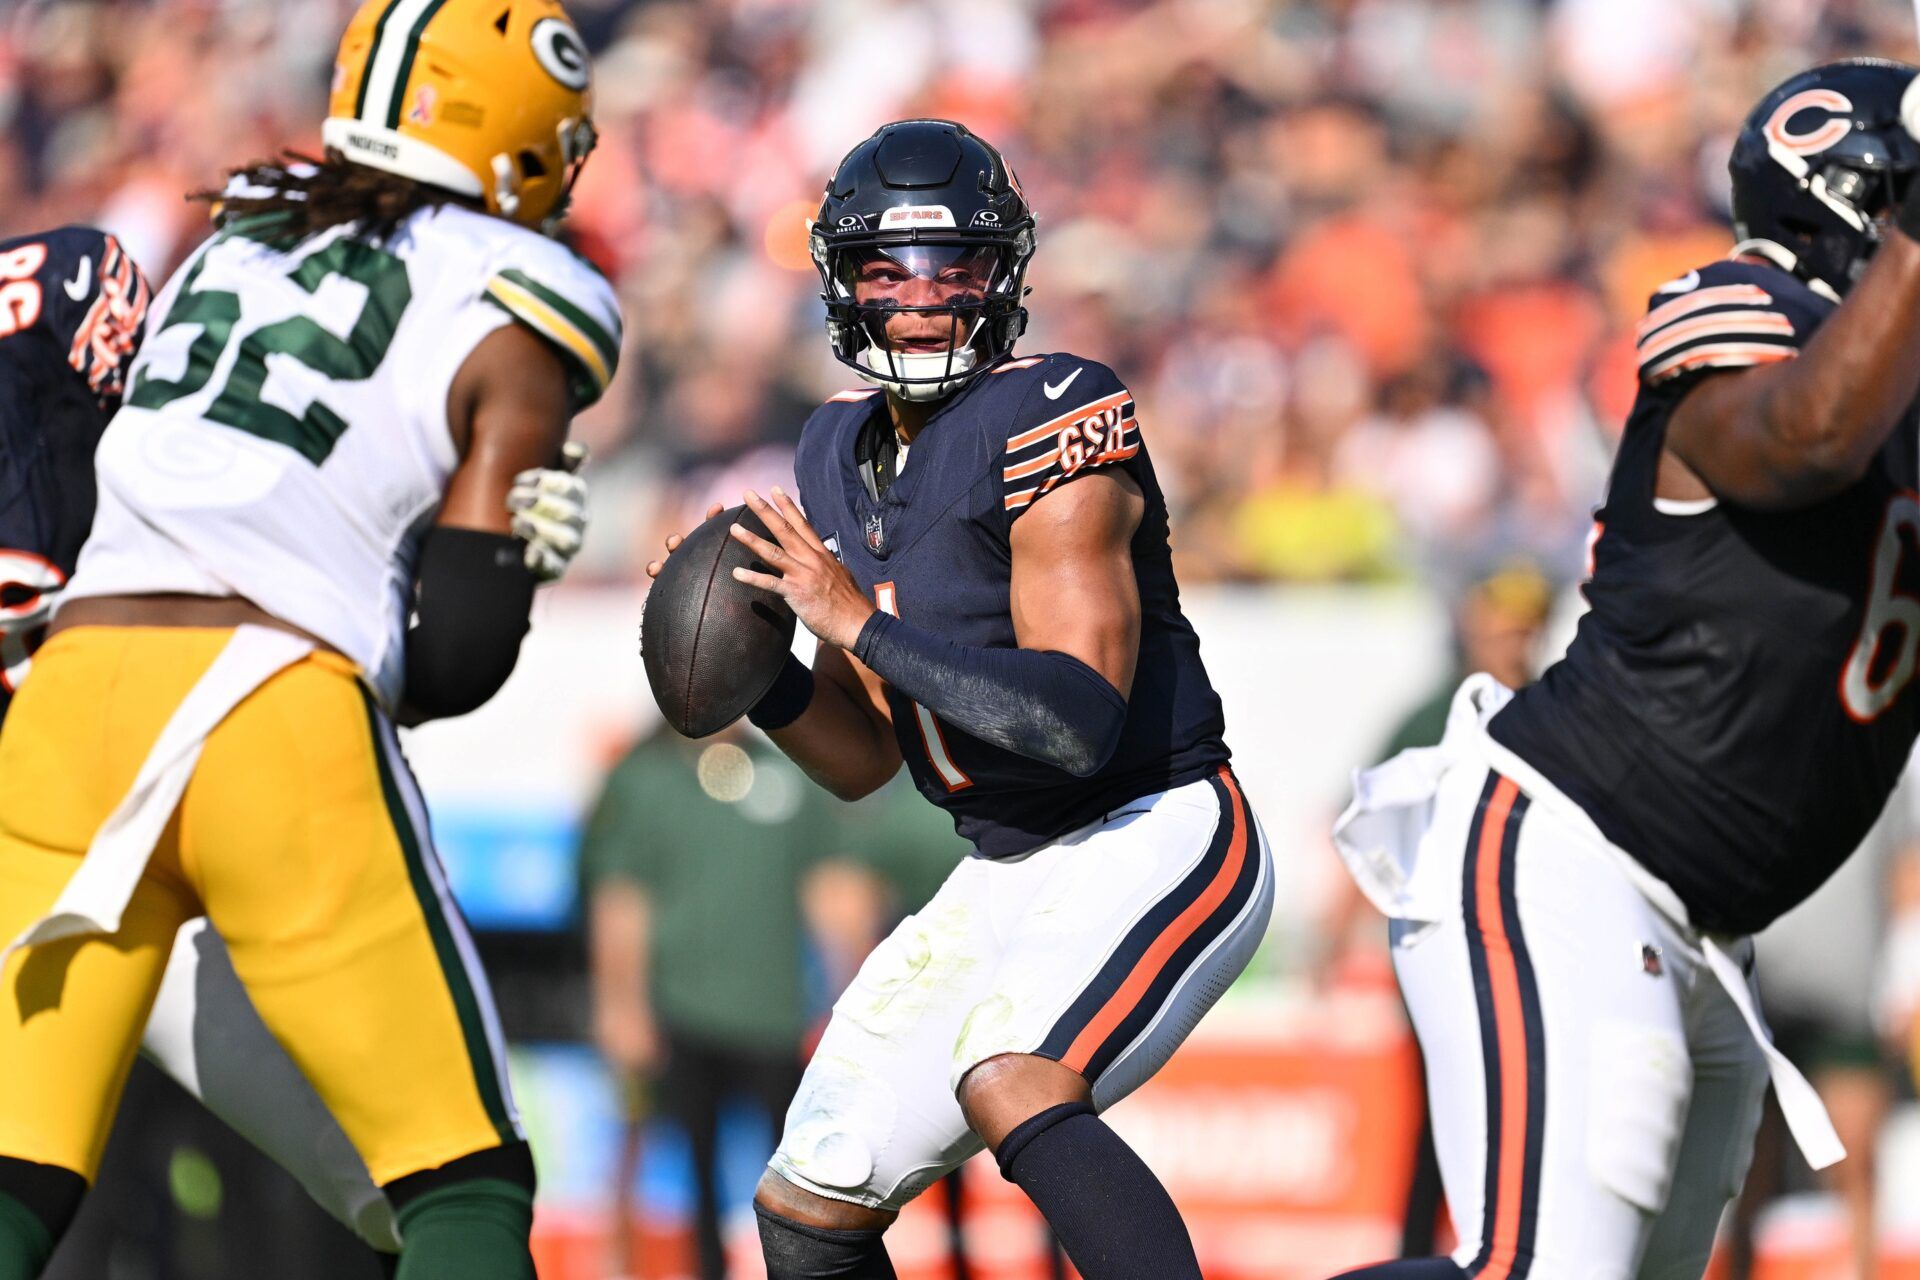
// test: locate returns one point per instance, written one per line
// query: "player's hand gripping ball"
(712, 645)
(810, 578)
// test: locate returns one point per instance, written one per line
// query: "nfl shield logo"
(876, 536)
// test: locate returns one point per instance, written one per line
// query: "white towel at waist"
(97, 895)
(1379, 838)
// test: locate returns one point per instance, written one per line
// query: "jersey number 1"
(301, 339)
(1893, 619)
(950, 774)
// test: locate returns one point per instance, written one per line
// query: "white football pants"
(1100, 950)
(1593, 1077)
(204, 1032)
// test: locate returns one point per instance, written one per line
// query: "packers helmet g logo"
(561, 52)
(489, 99)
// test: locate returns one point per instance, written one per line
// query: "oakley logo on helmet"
(561, 52)
(917, 215)
(1824, 135)
(986, 218)
(849, 222)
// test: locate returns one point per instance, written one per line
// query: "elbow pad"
(1046, 706)
(474, 596)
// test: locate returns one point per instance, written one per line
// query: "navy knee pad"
(796, 1251)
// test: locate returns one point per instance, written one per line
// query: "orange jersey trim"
(1718, 296)
(1733, 324)
(1128, 997)
(1503, 976)
(1041, 432)
(1726, 355)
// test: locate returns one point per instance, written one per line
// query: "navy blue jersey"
(1735, 711)
(71, 306)
(935, 549)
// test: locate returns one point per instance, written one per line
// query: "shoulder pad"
(1726, 315)
(563, 298)
(80, 288)
(1075, 415)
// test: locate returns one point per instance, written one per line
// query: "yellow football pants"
(303, 838)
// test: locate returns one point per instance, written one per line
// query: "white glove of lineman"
(550, 511)
(1910, 107)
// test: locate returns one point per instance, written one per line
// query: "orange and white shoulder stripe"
(1742, 323)
(1723, 326)
(1053, 426)
(1097, 433)
(1721, 355)
(1745, 295)
(853, 395)
(1014, 366)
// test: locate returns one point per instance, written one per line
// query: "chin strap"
(910, 375)
(1787, 260)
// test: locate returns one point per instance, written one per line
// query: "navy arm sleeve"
(1046, 706)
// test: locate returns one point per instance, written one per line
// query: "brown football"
(712, 646)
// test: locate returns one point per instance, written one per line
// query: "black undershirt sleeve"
(474, 598)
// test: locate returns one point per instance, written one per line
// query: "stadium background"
(1371, 268)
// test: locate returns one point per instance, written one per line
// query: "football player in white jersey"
(316, 447)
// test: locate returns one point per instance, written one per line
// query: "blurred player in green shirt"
(727, 896)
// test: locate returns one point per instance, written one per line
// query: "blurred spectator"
(1496, 629)
(729, 902)
(694, 861)
(1328, 244)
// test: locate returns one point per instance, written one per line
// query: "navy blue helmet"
(922, 243)
(1821, 164)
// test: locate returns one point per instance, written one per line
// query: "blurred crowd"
(1370, 266)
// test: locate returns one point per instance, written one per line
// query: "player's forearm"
(1046, 706)
(619, 943)
(1829, 411)
(839, 742)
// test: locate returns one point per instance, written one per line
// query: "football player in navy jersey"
(71, 306)
(1574, 875)
(983, 556)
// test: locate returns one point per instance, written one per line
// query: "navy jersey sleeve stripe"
(1099, 431)
(1728, 315)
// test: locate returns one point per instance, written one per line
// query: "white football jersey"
(284, 435)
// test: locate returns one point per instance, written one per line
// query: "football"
(712, 646)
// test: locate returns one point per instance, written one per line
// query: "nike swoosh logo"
(82, 281)
(1056, 390)
(1685, 284)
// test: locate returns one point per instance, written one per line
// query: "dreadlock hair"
(305, 196)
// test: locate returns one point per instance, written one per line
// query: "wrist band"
(787, 700)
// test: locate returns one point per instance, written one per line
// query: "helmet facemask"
(517, 180)
(1859, 204)
(922, 318)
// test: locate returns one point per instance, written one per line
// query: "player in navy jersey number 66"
(984, 558)
(1573, 875)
